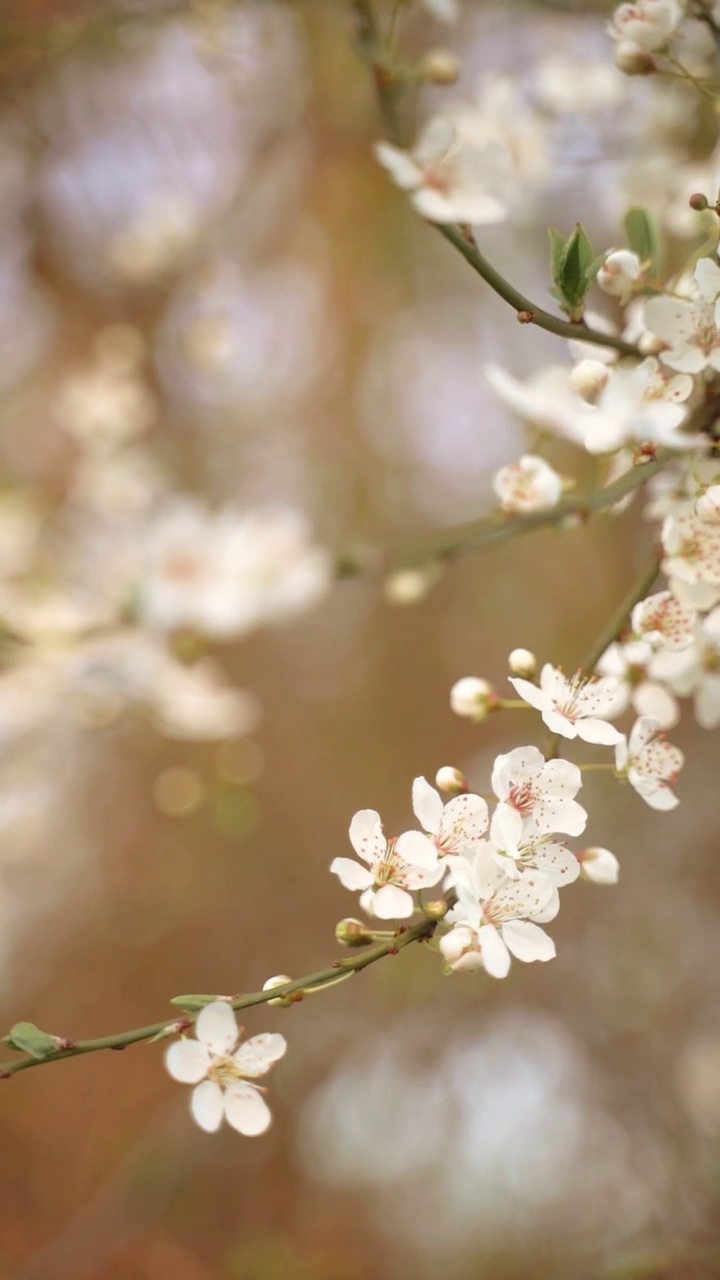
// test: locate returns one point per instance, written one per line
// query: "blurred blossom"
(256, 340)
(224, 574)
(513, 1139)
(104, 405)
(150, 144)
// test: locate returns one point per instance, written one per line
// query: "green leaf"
(27, 1038)
(191, 1004)
(573, 268)
(643, 236)
(557, 250)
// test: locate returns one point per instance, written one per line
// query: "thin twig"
(421, 931)
(491, 530)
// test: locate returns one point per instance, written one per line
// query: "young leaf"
(643, 236)
(27, 1038)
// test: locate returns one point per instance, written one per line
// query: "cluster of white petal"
(502, 870)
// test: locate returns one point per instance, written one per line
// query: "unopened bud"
(598, 865)
(352, 933)
(588, 379)
(707, 506)
(699, 202)
(473, 698)
(280, 980)
(408, 586)
(451, 780)
(620, 274)
(440, 66)
(436, 910)
(633, 60)
(650, 344)
(523, 663)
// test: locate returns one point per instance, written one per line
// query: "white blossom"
(575, 708)
(224, 1072)
(530, 850)
(546, 400)
(387, 881)
(529, 787)
(640, 403)
(224, 574)
(692, 558)
(634, 666)
(695, 671)
(649, 762)
(530, 484)
(689, 327)
(451, 828)
(646, 23)
(495, 917)
(449, 180)
(664, 621)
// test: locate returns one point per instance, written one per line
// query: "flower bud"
(352, 933)
(633, 60)
(280, 980)
(650, 344)
(440, 66)
(473, 697)
(408, 586)
(436, 910)
(699, 202)
(588, 379)
(598, 865)
(707, 505)
(451, 780)
(523, 663)
(619, 274)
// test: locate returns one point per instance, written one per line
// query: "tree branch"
(420, 931)
(498, 528)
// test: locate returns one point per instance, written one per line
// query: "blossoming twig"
(492, 529)
(527, 312)
(388, 89)
(420, 931)
(614, 627)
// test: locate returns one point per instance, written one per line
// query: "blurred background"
(208, 286)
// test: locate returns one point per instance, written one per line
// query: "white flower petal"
(188, 1061)
(206, 1105)
(527, 941)
(350, 874)
(598, 731)
(258, 1054)
(392, 903)
(366, 835)
(427, 805)
(417, 849)
(495, 955)
(217, 1027)
(246, 1109)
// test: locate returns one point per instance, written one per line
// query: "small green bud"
(192, 1004)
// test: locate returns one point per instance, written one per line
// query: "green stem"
(527, 311)
(613, 629)
(420, 931)
(618, 621)
(491, 530)
(389, 88)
